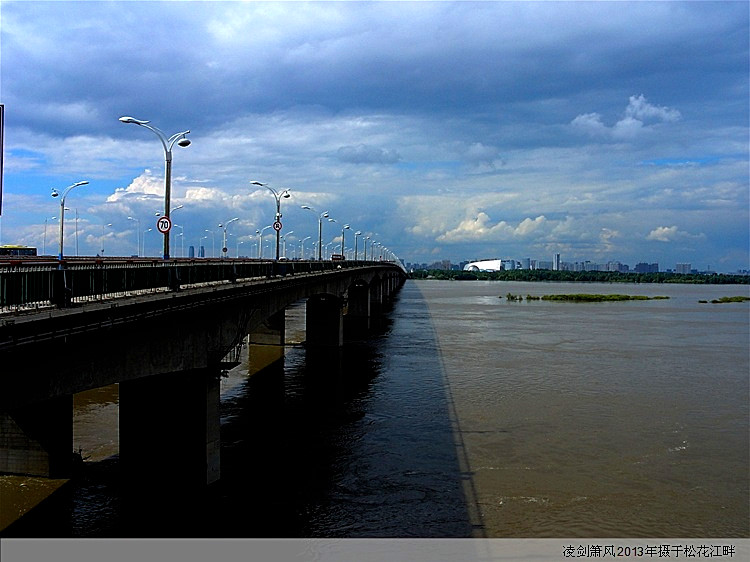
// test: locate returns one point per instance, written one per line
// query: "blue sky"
(445, 130)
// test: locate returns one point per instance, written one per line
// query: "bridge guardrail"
(33, 285)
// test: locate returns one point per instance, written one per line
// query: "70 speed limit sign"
(163, 224)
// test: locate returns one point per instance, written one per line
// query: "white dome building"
(484, 265)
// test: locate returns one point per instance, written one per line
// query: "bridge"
(162, 330)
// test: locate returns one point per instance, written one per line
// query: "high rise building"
(556, 263)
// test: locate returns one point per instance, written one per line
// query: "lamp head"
(55, 193)
(184, 142)
(128, 119)
(286, 194)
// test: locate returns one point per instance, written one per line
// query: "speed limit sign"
(163, 224)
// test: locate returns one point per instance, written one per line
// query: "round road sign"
(277, 226)
(163, 224)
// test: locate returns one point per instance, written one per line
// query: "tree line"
(582, 276)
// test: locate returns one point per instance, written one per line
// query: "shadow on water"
(357, 443)
(361, 442)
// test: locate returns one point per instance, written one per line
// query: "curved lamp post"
(101, 240)
(343, 228)
(224, 226)
(213, 242)
(167, 143)
(62, 211)
(260, 240)
(144, 240)
(277, 195)
(356, 236)
(284, 237)
(323, 215)
(303, 245)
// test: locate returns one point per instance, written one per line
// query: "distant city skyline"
(596, 130)
(583, 265)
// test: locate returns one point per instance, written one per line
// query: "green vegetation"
(584, 297)
(581, 276)
(728, 299)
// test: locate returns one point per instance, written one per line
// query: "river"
(469, 414)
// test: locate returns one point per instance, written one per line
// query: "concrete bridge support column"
(169, 434)
(324, 321)
(37, 439)
(376, 297)
(266, 342)
(358, 308)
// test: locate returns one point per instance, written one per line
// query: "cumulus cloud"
(639, 115)
(670, 234)
(145, 185)
(480, 228)
(640, 109)
(365, 154)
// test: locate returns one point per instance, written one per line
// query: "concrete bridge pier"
(324, 321)
(169, 434)
(357, 319)
(377, 297)
(37, 439)
(266, 342)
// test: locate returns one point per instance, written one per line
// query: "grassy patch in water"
(728, 299)
(584, 297)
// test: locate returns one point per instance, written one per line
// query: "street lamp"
(322, 216)
(356, 236)
(182, 238)
(167, 143)
(345, 227)
(277, 195)
(44, 240)
(303, 246)
(284, 237)
(144, 240)
(224, 226)
(137, 235)
(213, 242)
(260, 240)
(62, 211)
(101, 240)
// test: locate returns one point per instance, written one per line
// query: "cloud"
(479, 228)
(364, 154)
(640, 109)
(146, 185)
(639, 116)
(426, 122)
(671, 234)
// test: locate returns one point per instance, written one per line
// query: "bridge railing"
(34, 284)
